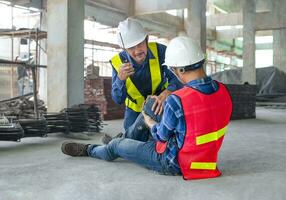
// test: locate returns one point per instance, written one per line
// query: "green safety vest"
(135, 99)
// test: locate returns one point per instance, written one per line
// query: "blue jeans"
(129, 118)
(135, 147)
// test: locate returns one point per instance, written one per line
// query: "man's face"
(138, 52)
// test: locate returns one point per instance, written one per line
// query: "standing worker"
(23, 78)
(138, 71)
(195, 119)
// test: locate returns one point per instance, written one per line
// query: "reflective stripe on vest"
(135, 99)
(203, 165)
(210, 137)
(202, 139)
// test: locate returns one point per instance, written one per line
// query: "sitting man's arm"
(165, 129)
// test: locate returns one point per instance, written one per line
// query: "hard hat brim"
(133, 44)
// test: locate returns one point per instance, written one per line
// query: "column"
(195, 24)
(65, 51)
(279, 49)
(248, 70)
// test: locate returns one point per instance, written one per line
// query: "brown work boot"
(107, 138)
(74, 149)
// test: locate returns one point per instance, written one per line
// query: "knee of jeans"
(114, 142)
(112, 148)
(148, 110)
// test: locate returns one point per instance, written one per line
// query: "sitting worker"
(192, 128)
(138, 71)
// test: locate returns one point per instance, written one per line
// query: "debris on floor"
(21, 121)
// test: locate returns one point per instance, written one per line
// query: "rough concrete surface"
(252, 160)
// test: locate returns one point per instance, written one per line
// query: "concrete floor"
(252, 159)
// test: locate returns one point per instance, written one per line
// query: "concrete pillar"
(43, 60)
(279, 49)
(248, 70)
(195, 24)
(65, 51)
(43, 72)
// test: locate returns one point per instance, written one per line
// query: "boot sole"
(63, 148)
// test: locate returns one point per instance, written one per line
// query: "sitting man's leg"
(138, 130)
(142, 153)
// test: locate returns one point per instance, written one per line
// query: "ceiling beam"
(143, 7)
(263, 21)
(122, 6)
(236, 33)
(165, 25)
(100, 15)
(99, 43)
(230, 19)
(27, 3)
(161, 24)
(264, 46)
(269, 21)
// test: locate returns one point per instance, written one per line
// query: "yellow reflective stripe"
(134, 94)
(203, 165)
(154, 66)
(116, 62)
(210, 137)
(165, 85)
(134, 106)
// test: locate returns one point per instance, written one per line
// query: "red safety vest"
(206, 117)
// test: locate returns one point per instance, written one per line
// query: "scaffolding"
(30, 34)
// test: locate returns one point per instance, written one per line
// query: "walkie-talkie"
(128, 58)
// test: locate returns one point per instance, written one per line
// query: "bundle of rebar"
(34, 127)
(21, 107)
(84, 118)
(10, 131)
(79, 118)
(57, 122)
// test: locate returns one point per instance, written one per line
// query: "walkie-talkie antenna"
(124, 47)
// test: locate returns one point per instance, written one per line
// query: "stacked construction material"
(98, 92)
(94, 117)
(243, 95)
(34, 127)
(21, 107)
(243, 98)
(270, 83)
(57, 122)
(78, 119)
(10, 131)
(113, 110)
(94, 95)
(84, 118)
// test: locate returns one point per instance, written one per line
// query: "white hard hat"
(131, 32)
(183, 51)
